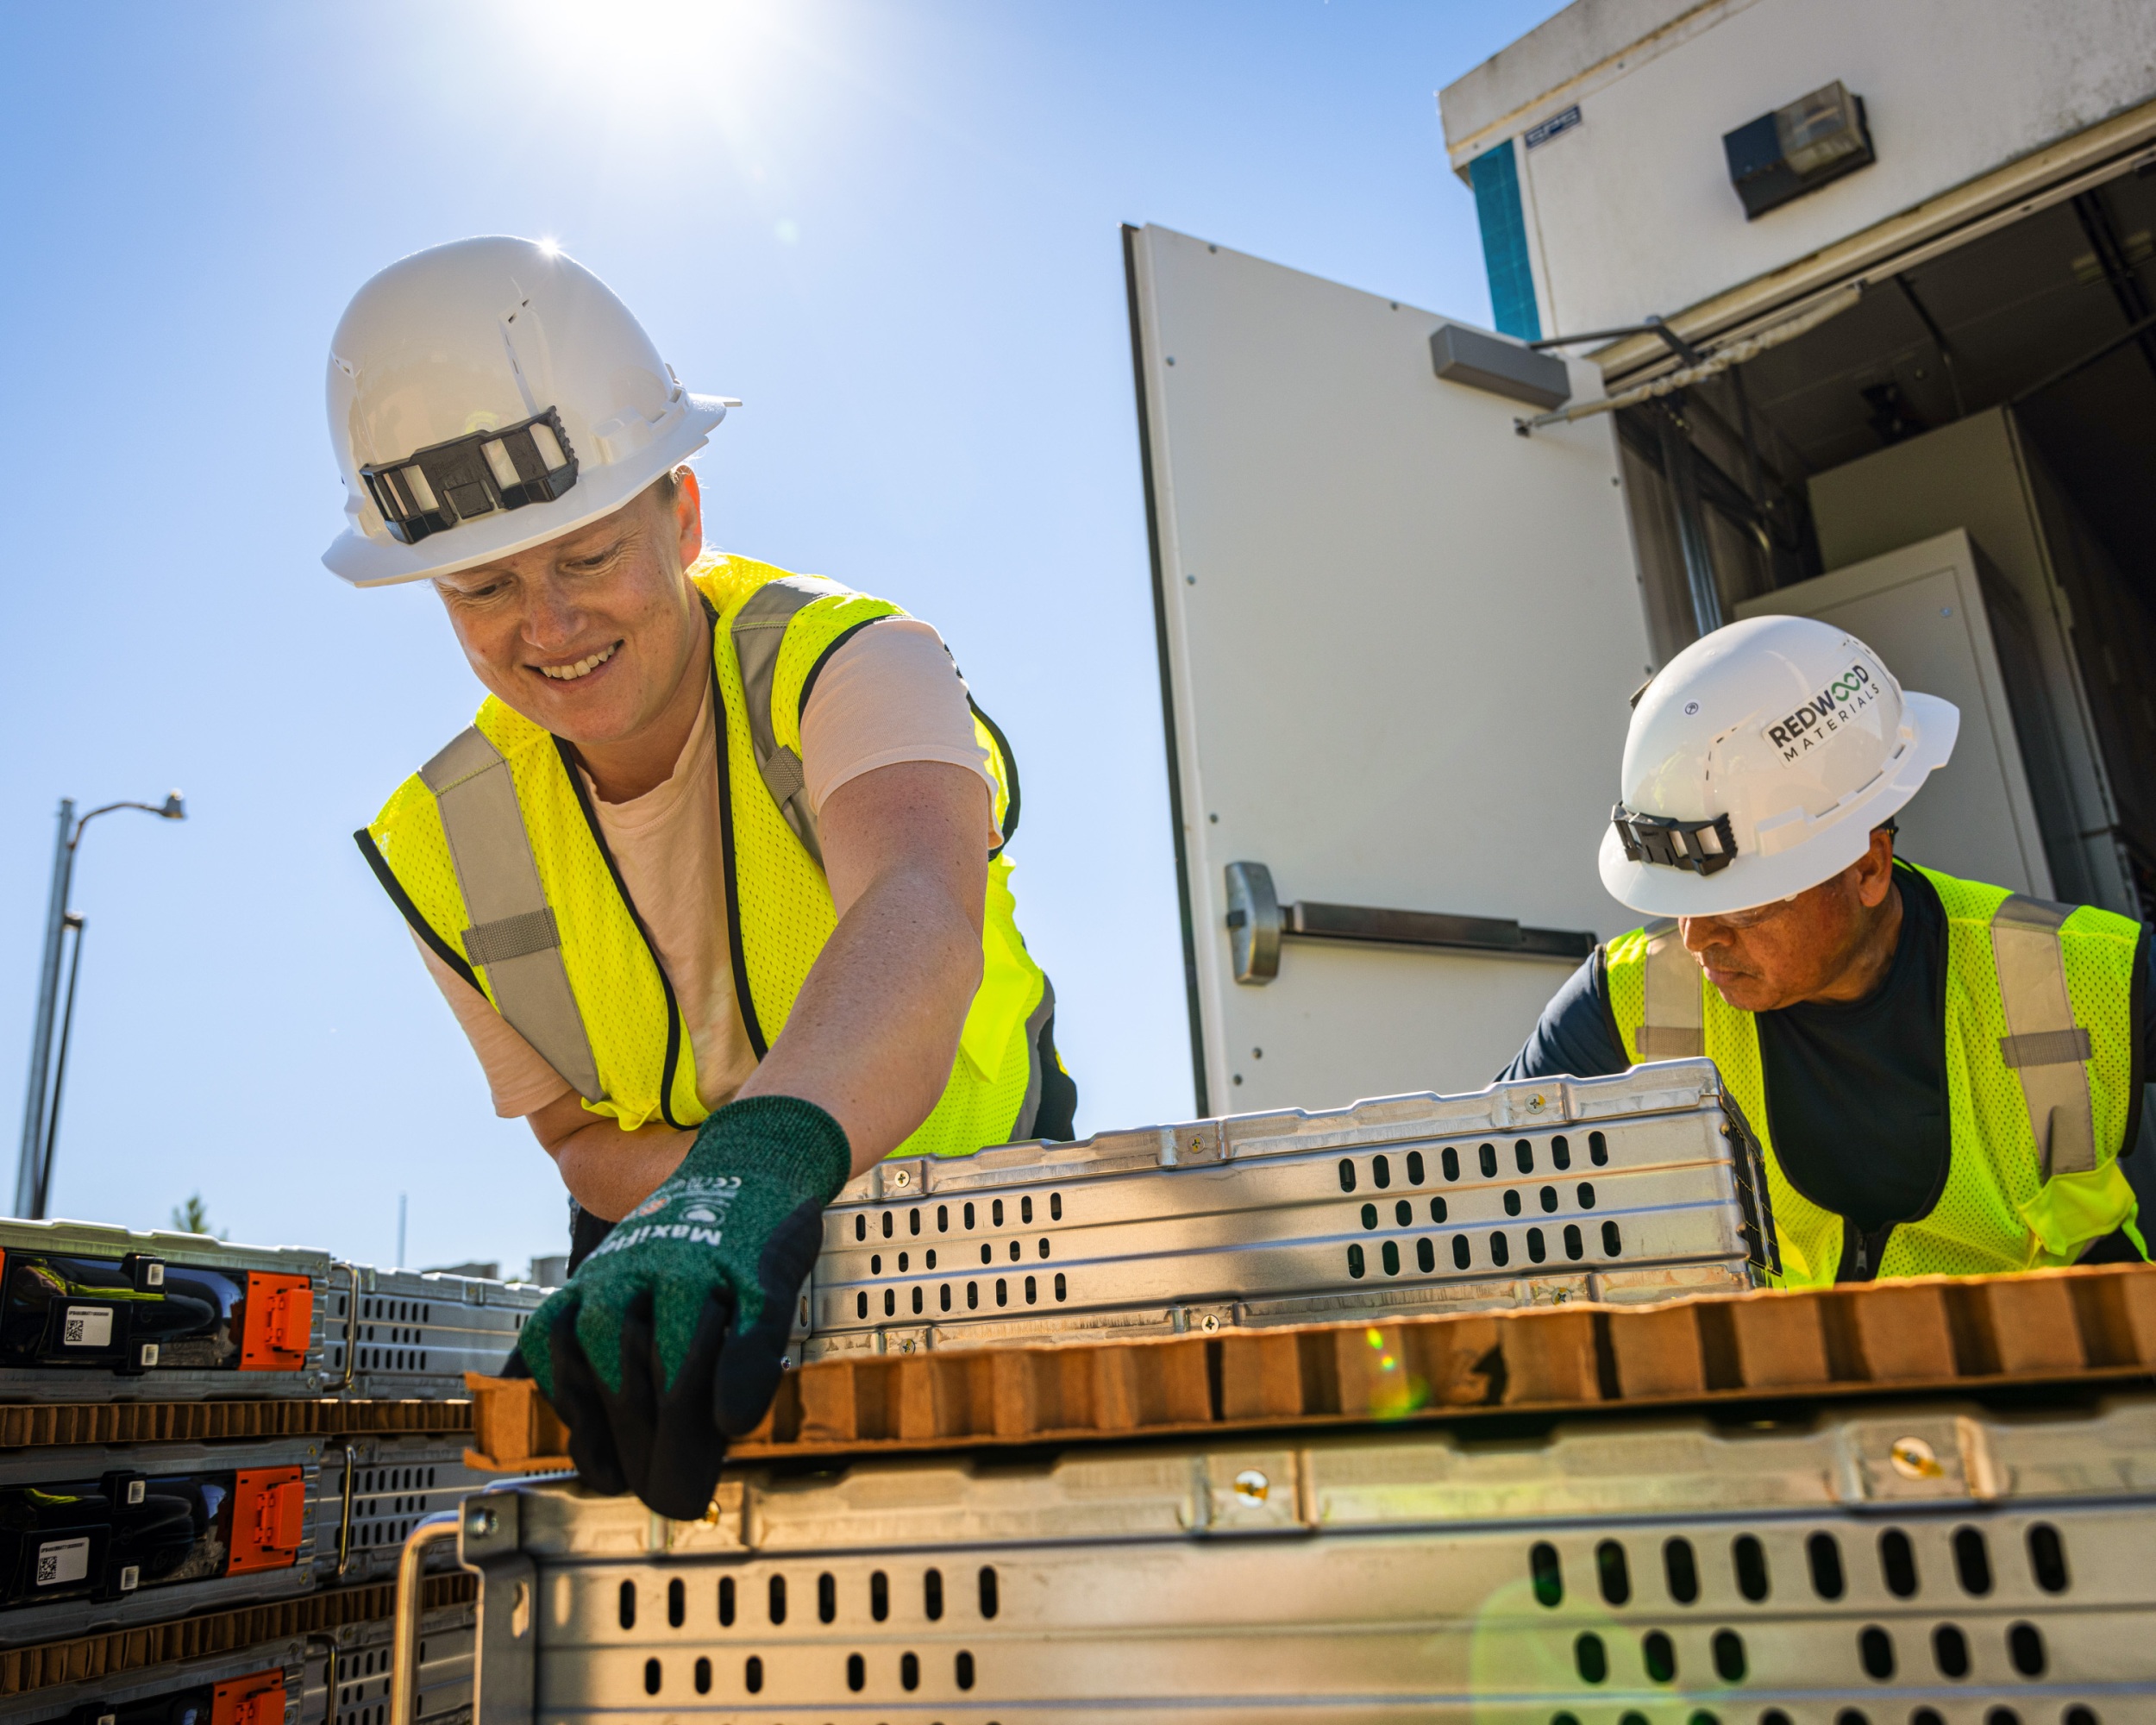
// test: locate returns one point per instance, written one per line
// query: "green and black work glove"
(670, 1337)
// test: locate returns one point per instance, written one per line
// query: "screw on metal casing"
(1252, 1487)
(1913, 1458)
(1211, 1323)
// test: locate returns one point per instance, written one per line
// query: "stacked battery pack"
(200, 1433)
(168, 1317)
(1925, 1562)
(1632, 1187)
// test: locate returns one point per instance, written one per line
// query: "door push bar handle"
(1257, 922)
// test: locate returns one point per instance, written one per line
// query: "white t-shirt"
(890, 694)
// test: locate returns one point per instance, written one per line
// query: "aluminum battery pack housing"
(1639, 1186)
(93, 1313)
(1886, 1557)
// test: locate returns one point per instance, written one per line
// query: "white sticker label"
(130, 1578)
(137, 1490)
(154, 1275)
(62, 1561)
(88, 1326)
(149, 1353)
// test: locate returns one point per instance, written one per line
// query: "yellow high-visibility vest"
(495, 857)
(2041, 1081)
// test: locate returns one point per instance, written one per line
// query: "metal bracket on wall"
(1257, 922)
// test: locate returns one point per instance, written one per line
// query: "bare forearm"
(873, 1031)
(870, 1041)
(610, 1171)
(872, 1035)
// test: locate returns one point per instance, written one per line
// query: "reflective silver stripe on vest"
(759, 631)
(1675, 1025)
(513, 932)
(1029, 1110)
(2043, 1043)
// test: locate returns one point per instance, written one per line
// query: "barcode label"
(87, 1327)
(63, 1560)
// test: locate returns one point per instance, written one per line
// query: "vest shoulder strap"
(2044, 1046)
(2043, 1043)
(1675, 1025)
(757, 632)
(513, 933)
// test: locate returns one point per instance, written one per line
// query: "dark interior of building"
(2051, 317)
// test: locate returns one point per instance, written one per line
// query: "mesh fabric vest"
(1997, 1211)
(619, 1038)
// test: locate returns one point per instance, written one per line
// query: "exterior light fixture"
(1814, 140)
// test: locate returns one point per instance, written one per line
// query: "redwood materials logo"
(1825, 714)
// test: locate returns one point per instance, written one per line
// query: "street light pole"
(41, 1104)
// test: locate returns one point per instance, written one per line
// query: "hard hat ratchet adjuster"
(1675, 843)
(433, 489)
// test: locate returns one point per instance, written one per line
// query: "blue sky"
(890, 228)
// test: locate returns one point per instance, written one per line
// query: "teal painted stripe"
(1495, 178)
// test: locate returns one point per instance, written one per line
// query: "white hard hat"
(1757, 763)
(487, 396)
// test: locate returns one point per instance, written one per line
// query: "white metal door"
(1398, 640)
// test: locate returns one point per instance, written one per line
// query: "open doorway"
(2007, 386)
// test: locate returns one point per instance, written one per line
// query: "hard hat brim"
(599, 491)
(1930, 725)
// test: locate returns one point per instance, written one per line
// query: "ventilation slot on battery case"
(1897, 1563)
(1751, 1559)
(1822, 1552)
(2047, 1557)
(1680, 1570)
(1875, 1647)
(1972, 1562)
(1548, 1575)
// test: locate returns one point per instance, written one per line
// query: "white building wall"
(1631, 211)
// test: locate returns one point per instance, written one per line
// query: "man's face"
(590, 634)
(1801, 950)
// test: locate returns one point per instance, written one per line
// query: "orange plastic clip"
(269, 1519)
(256, 1699)
(278, 1325)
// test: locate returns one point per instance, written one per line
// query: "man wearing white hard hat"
(1944, 1074)
(715, 883)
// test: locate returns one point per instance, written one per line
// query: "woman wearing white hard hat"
(1944, 1075)
(715, 883)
